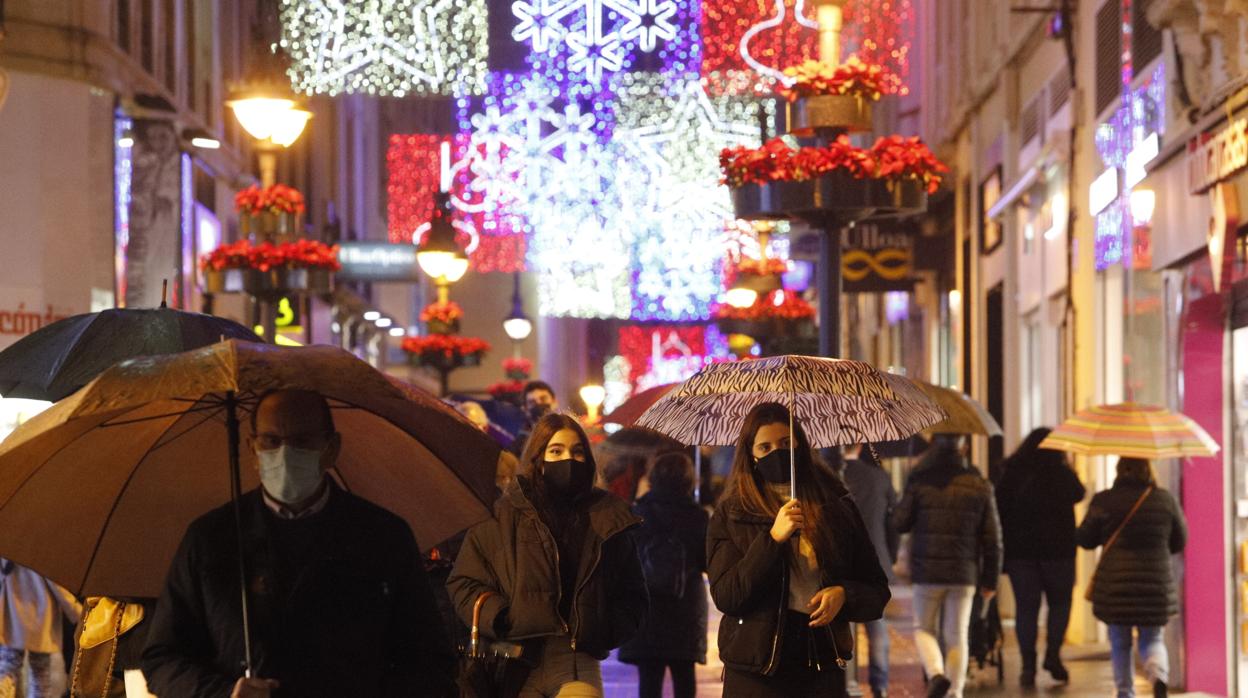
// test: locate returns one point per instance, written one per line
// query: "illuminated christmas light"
(386, 47)
(654, 356)
(578, 43)
(748, 44)
(881, 32)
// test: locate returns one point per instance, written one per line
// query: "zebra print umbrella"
(838, 401)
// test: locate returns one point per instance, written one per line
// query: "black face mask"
(775, 466)
(538, 411)
(568, 477)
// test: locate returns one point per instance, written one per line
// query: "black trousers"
(1055, 579)
(808, 667)
(650, 678)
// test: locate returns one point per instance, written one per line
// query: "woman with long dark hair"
(557, 558)
(1036, 500)
(789, 575)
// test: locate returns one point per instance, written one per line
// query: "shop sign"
(1135, 169)
(378, 261)
(1213, 159)
(1222, 228)
(1103, 191)
(876, 259)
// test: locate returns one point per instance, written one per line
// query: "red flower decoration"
(449, 346)
(278, 198)
(791, 307)
(891, 158)
(853, 77)
(445, 313)
(517, 368)
(506, 389)
(300, 254)
(763, 267)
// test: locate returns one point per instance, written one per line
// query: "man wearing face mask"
(539, 400)
(556, 570)
(338, 598)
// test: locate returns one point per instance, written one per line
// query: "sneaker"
(1027, 679)
(1160, 690)
(938, 686)
(1054, 666)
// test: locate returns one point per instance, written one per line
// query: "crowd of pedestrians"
(567, 572)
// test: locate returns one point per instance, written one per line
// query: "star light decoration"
(579, 43)
(673, 131)
(386, 47)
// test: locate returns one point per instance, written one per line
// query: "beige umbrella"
(966, 415)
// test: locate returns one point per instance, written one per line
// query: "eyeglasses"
(309, 442)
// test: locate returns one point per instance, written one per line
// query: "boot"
(1053, 665)
(938, 686)
(1027, 679)
(1159, 689)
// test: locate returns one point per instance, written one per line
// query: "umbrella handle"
(475, 641)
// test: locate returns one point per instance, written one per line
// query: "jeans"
(877, 669)
(38, 684)
(1055, 580)
(561, 673)
(650, 678)
(953, 602)
(1152, 647)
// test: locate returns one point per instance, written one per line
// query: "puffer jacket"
(949, 509)
(515, 556)
(749, 575)
(1133, 584)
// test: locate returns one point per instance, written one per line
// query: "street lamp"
(517, 325)
(440, 255)
(593, 396)
(275, 120)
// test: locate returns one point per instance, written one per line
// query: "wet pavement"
(1090, 672)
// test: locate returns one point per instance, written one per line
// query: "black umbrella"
(54, 361)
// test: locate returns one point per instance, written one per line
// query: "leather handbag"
(1087, 593)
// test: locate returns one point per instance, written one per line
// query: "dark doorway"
(995, 393)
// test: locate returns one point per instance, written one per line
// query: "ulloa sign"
(1214, 158)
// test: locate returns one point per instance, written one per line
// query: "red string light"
(726, 22)
(881, 32)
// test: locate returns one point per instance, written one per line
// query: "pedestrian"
(1141, 526)
(872, 490)
(561, 562)
(951, 514)
(338, 597)
(539, 399)
(671, 543)
(1036, 499)
(31, 609)
(788, 574)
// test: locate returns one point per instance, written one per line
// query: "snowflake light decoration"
(672, 132)
(580, 42)
(386, 47)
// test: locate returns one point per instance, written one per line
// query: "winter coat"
(674, 629)
(31, 608)
(1037, 508)
(515, 555)
(872, 490)
(956, 537)
(749, 574)
(339, 605)
(1133, 583)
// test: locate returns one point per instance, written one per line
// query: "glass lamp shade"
(741, 297)
(593, 396)
(518, 328)
(268, 118)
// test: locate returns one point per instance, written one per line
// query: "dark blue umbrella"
(54, 361)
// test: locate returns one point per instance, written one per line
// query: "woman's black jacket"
(749, 580)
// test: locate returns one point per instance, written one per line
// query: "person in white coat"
(30, 627)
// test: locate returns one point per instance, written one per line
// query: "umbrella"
(966, 415)
(632, 409)
(1131, 429)
(119, 469)
(839, 401)
(54, 361)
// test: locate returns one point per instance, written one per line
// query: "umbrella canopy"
(838, 401)
(1133, 430)
(632, 409)
(96, 492)
(54, 361)
(966, 415)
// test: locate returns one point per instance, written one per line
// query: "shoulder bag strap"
(1138, 503)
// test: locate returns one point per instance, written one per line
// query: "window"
(146, 45)
(1145, 38)
(1108, 54)
(123, 25)
(170, 24)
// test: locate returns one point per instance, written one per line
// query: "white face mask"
(291, 475)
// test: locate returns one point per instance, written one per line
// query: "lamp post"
(517, 325)
(440, 256)
(593, 396)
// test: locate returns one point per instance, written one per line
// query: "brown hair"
(672, 473)
(535, 448)
(815, 483)
(1136, 470)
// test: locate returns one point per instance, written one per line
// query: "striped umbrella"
(1131, 429)
(839, 401)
